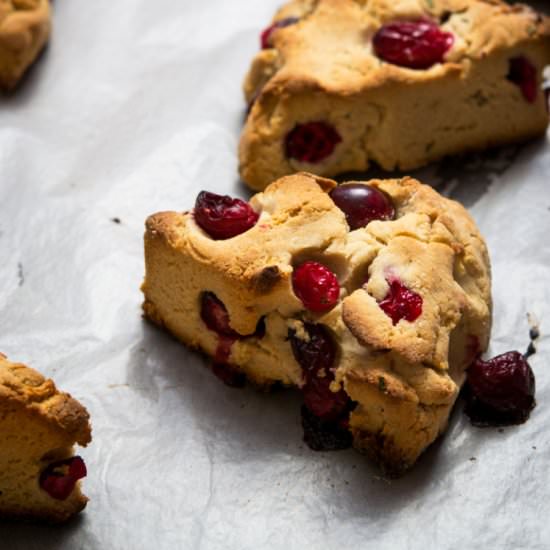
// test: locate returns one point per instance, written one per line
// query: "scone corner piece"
(39, 428)
(25, 27)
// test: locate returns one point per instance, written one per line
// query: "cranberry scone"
(39, 426)
(339, 84)
(24, 30)
(372, 298)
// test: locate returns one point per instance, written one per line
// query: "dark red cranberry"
(316, 356)
(321, 435)
(215, 315)
(524, 74)
(401, 303)
(59, 479)
(362, 204)
(316, 285)
(316, 353)
(223, 217)
(500, 391)
(413, 44)
(311, 142)
(265, 37)
(229, 375)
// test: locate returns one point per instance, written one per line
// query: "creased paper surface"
(134, 108)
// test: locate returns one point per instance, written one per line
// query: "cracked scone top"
(39, 426)
(412, 306)
(343, 83)
(24, 30)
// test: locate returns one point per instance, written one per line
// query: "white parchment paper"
(134, 108)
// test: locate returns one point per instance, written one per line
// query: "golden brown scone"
(324, 69)
(24, 30)
(404, 377)
(38, 428)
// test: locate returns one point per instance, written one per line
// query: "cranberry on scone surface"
(362, 204)
(311, 142)
(524, 74)
(413, 44)
(325, 412)
(316, 286)
(267, 34)
(59, 479)
(223, 217)
(401, 303)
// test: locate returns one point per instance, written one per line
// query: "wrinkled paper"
(134, 108)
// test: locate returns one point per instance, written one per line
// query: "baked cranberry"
(265, 37)
(500, 391)
(311, 142)
(413, 44)
(362, 204)
(223, 217)
(316, 285)
(231, 376)
(524, 74)
(215, 316)
(317, 352)
(322, 435)
(401, 303)
(316, 356)
(59, 479)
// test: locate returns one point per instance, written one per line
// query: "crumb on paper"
(116, 220)
(20, 274)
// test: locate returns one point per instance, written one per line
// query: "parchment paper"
(135, 106)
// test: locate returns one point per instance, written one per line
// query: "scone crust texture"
(25, 27)
(404, 377)
(55, 422)
(323, 68)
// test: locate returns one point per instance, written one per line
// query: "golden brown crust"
(42, 425)
(21, 384)
(24, 30)
(323, 69)
(405, 378)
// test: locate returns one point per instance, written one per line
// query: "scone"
(372, 298)
(38, 428)
(24, 30)
(340, 84)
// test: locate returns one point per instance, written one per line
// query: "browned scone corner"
(24, 30)
(39, 426)
(340, 84)
(374, 318)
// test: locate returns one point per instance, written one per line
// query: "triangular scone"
(24, 30)
(401, 377)
(323, 100)
(39, 427)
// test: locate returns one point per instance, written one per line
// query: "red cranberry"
(223, 217)
(215, 316)
(316, 286)
(316, 353)
(524, 74)
(265, 38)
(59, 479)
(316, 356)
(362, 204)
(500, 391)
(311, 142)
(401, 303)
(413, 44)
